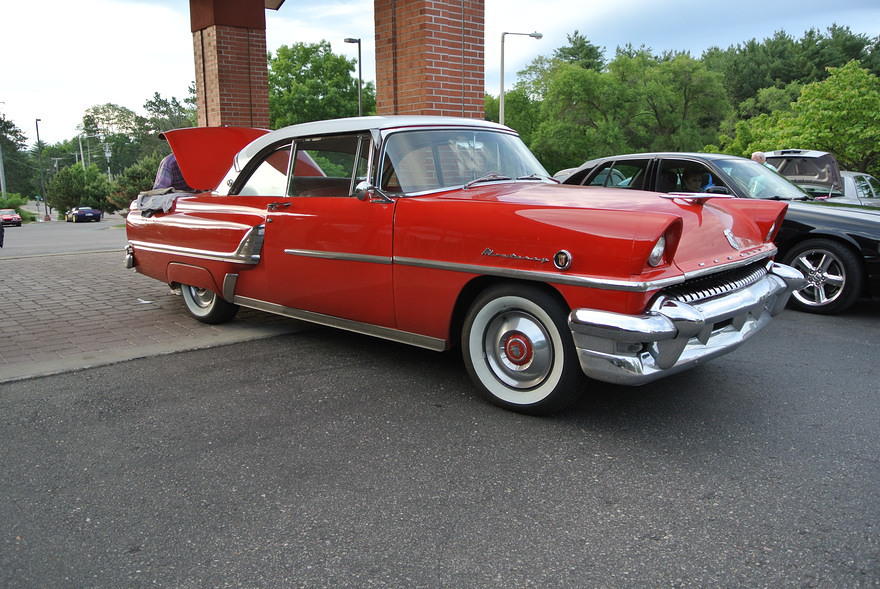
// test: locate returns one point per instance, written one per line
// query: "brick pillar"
(232, 80)
(429, 57)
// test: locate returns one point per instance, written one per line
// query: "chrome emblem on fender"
(494, 254)
(732, 240)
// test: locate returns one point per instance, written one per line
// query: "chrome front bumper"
(673, 336)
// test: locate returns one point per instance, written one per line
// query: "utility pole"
(40, 163)
(2, 174)
(2, 169)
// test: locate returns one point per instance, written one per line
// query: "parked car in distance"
(860, 188)
(10, 217)
(837, 248)
(437, 232)
(83, 214)
(816, 172)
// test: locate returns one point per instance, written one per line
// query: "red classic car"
(437, 231)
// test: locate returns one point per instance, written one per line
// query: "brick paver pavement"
(64, 312)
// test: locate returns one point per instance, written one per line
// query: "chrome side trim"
(229, 282)
(339, 256)
(395, 335)
(593, 282)
(247, 252)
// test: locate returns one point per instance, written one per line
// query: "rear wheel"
(833, 273)
(206, 306)
(518, 349)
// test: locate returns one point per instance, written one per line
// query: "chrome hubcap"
(201, 296)
(518, 349)
(825, 276)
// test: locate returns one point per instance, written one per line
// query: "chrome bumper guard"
(673, 336)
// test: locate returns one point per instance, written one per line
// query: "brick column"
(429, 57)
(232, 80)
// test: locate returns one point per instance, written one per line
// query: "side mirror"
(717, 190)
(363, 190)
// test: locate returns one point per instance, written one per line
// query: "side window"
(270, 176)
(685, 176)
(875, 185)
(329, 166)
(863, 189)
(625, 174)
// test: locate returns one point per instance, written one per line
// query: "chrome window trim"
(388, 333)
(339, 256)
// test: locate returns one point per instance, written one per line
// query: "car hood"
(831, 209)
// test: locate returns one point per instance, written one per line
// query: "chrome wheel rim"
(202, 297)
(825, 274)
(518, 349)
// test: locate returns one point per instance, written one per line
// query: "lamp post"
(360, 78)
(40, 163)
(535, 35)
(2, 170)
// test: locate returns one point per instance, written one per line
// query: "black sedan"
(82, 214)
(836, 247)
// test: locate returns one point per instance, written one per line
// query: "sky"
(59, 57)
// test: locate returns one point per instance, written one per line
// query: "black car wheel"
(833, 273)
(206, 305)
(519, 351)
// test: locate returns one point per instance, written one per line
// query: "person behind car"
(169, 175)
(761, 158)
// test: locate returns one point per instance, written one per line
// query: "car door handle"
(274, 206)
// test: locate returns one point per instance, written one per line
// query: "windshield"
(7, 212)
(435, 159)
(755, 180)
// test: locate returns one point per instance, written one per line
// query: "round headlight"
(656, 256)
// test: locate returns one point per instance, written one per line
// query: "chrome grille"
(715, 285)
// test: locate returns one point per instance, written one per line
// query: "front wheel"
(206, 306)
(518, 349)
(833, 273)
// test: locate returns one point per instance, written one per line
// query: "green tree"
(21, 172)
(308, 82)
(840, 114)
(134, 179)
(78, 186)
(581, 52)
(584, 115)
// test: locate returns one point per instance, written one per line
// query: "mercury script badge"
(494, 254)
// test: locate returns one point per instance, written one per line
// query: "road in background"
(59, 237)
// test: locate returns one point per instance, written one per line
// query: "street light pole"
(535, 35)
(360, 77)
(40, 163)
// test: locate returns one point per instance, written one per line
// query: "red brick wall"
(232, 84)
(429, 57)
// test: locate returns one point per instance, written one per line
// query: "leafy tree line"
(816, 92)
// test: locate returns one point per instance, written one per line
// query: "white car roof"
(358, 124)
